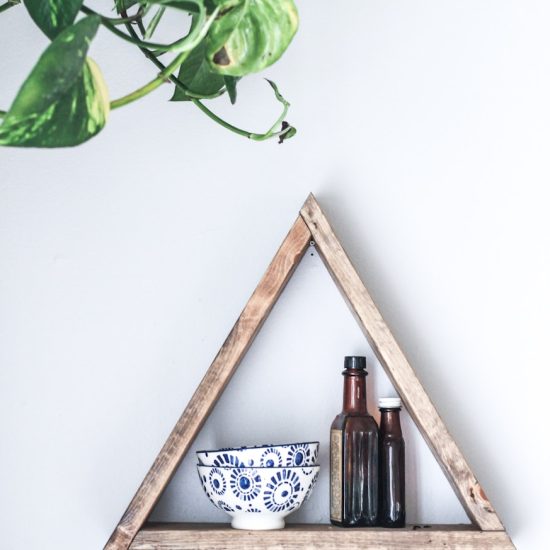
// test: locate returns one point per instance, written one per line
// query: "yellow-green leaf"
(64, 100)
(249, 35)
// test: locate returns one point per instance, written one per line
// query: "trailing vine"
(64, 100)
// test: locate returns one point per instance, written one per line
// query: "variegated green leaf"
(190, 6)
(64, 100)
(250, 35)
(196, 74)
(231, 87)
(122, 5)
(52, 16)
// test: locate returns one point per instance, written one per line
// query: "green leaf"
(123, 5)
(287, 132)
(196, 74)
(52, 16)
(63, 102)
(191, 6)
(231, 87)
(250, 35)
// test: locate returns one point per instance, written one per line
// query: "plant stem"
(195, 36)
(153, 85)
(119, 20)
(178, 45)
(152, 26)
(220, 121)
(141, 28)
(7, 6)
(250, 135)
(106, 22)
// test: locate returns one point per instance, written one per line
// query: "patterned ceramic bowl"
(258, 498)
(267, 456)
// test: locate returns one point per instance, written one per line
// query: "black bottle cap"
(357, 362)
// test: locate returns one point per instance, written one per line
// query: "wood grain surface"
(212, 385)
(314, 537)
(469, 491)
(487, 531)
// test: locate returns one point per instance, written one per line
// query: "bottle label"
(336, 475)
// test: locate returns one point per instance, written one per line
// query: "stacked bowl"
(258, 486)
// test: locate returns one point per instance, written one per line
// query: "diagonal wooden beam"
(214, 382)
(419, 405)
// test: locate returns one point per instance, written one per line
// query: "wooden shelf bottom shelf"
(212, 536)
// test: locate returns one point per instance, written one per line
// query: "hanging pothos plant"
(64, 100)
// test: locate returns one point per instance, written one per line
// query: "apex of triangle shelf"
(486, 531)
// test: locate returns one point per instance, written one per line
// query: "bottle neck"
(389, 422)
(355, 393)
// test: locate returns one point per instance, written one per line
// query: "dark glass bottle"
(392, 464)
(354, 495)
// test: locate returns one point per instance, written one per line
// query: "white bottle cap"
(389, 403)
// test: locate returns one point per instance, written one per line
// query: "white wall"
(424, 132)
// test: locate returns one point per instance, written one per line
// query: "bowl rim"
(246, 447)
(259, 467)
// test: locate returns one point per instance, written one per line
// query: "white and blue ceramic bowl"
(258, 498)
(265, 456)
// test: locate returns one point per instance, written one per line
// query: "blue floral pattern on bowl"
(258, 498)
(246, 483)
(313, 481)
(289, 454)
(301, 455)
(282, 491)
(217, 481)
(226, 459)
(223, 506)
(271, 457)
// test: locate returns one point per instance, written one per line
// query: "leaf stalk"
(9, 4)
(196, 37)
(179, 45)
(213, 116)
(150, 86)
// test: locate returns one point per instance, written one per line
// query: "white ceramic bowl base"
(258, 522)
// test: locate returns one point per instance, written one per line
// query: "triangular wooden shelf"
(486, 531)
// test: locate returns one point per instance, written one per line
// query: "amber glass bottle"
(392, 464)
(354, 495)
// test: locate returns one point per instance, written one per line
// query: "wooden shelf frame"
(212, 536)
(486, 531)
